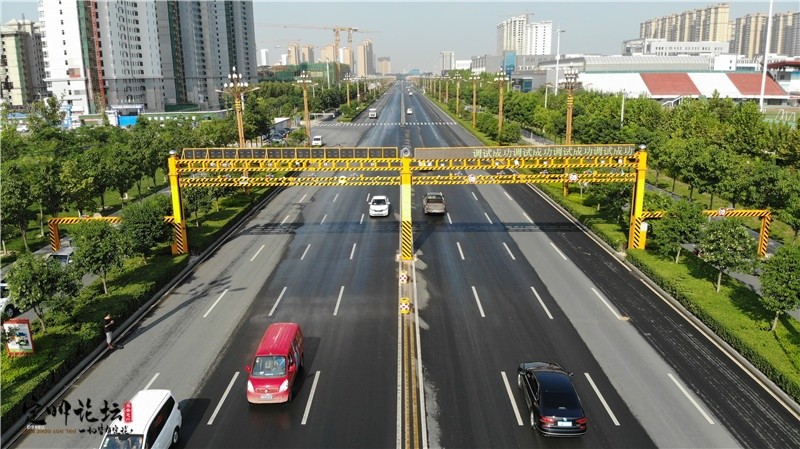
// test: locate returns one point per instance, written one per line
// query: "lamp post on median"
(501, 83)
(475, 77)
(570, 82)
(304, 81)
(558, 56)
(458, 95)
(347, 86)
(237, 88)
(446, 91)
(546, 86)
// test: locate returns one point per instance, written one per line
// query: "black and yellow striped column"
(406, 236)
(636, 237)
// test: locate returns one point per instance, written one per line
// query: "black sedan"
(553, 402)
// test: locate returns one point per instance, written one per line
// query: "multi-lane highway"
(504, 277)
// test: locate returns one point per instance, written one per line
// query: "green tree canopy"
(727, 245)
(780, 282)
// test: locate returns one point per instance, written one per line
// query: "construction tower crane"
(336, 34)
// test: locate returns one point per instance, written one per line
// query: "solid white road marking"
(335, 197)
(509, 251)
(224, 395)
(602, 399)
(487, 217)
(352, 251)
(338, 301)
(304, 252)
(474, 196)
(215, 303)
(303, 198)
(542, 303)
(460, 252)
(323, 218)
(257, 253)
(277, 302)
(558, 251)
(691, 399)
(310, 398)
(449, 220)
(147, 387)
(284, 220)
(607, 304)
(477, 300)
(511, 398)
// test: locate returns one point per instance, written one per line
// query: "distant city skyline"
(413, 34)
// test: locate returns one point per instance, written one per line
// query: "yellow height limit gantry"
(571, 164)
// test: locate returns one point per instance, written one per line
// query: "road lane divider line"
(602, 399)
(423, 407)
(546, 310)
(215, 303)
(691, 398)
(362, 219)
(509, 251)
(147, 387)
(305, 251)
(511, 398)
(284, 219)
(302, 198)
(474, 196)
(222, 400)
(449, 220)
(278, 301)
(338, 300)
(580, 226)
(477, 300)
(487, 218)
(460, 252)
(257, 253)
(310, 399)
(614, 312)
(399, 438)
(353, 251)
(558, 251)
(323, 219)
(527, 217)
(335, 197)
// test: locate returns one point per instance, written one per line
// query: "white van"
(150, 420)
(317, 141)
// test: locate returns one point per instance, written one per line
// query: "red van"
(276, 364)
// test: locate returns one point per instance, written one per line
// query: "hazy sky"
(412, 33)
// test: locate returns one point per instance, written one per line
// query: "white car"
(409, 111)
(7, 307)
(379, 206)
(317, 141)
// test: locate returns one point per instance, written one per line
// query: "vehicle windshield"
(269, 366)
(378, 201)
(122, 441)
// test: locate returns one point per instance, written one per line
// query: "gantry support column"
(636, 234)
(180, 245)
(406, 236)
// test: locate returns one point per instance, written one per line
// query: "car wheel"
(176, 436)
(533, 420)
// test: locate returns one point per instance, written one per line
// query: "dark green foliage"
(143, 224)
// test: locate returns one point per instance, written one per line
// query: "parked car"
(7, 307)
(317, 141)
(63, 256)
(379, 206)
(555, 408)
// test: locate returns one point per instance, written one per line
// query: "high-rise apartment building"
(384, 65)
(21, 63)
(783, 24)
(511, 34)
(750, 33)
(539, 38)
(707, 24)
(365, 59)
(447, 61)
(144, 55)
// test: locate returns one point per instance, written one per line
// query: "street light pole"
(622, 111)
(447, 91)
(570, 82)
(546, 86)
(347, 84)
(501, 79)
(237, 88)
(475, 79)
(458, 95)
(558, 56)
(328, 72)
(304, 81)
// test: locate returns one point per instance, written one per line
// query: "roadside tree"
(143, 224)
(100, 248)
(727, 245)
(16, 200)
(40, 284)
(682, 223)
(780, 282)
